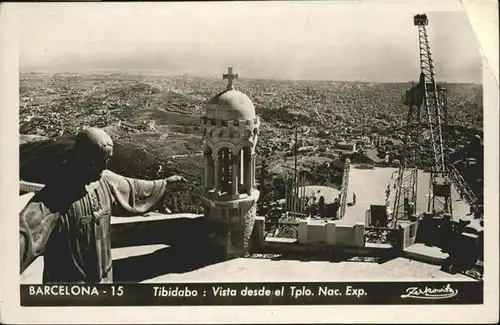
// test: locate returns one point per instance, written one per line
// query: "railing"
(375, 235)
(294, 216)
(461, 185)
(345, 184)
(282, 229)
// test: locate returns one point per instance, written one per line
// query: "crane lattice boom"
(427, 102)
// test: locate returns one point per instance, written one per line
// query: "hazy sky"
(320, 40)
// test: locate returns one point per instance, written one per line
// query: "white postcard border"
(484, 18)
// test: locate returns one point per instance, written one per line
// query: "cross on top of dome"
(230, 104)
(230, 77)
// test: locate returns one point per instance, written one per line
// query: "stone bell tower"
(230, 129)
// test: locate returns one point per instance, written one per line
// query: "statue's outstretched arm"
(131, 196)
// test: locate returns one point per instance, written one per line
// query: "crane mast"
(440, 185)
(427, 102)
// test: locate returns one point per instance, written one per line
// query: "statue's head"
(92, 150)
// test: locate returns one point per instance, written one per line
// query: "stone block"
(409, 232)
(316, 232)
(413, 230)
(330, 232)
(345, 235)
(303, 231)
(359, 234)
(406, 236)
(258, 235)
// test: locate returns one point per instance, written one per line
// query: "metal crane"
(427, 108)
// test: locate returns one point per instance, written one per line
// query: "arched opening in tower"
(226, 170)
(246, 170)
(230, 172)
(209, 165)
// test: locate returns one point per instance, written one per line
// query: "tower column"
(235, 173)
(252, 171)
(225, 168)
(241, 169)
(215, 158)
(206, 165)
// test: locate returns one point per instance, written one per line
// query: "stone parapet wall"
(334, 233)
(349, 240)
(229, 199)
(29, 187)
(213, 199)
(156, 228)
(331, 233)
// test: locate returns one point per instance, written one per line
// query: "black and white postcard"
(255, 162)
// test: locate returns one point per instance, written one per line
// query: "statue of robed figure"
(68, 220)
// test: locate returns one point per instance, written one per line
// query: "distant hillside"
(170, 95)
(162, 117)
(40, 162)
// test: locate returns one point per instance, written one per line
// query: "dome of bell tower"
(230, 105)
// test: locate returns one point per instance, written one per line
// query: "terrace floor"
(160, 264)
(370, 185)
